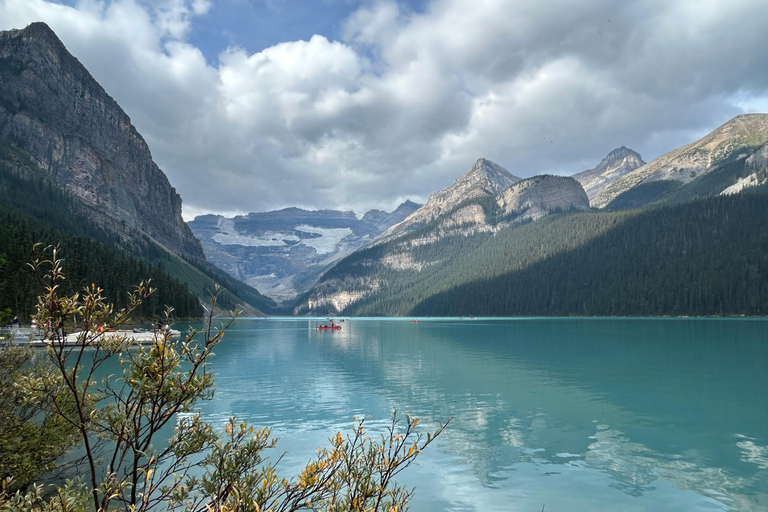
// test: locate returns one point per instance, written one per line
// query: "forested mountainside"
(401, 261)
(283, 253)
(707, 257)
(663, 246)
(37, 211)
(28, 193)
(59, 128)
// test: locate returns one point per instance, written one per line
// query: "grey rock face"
(739, 137)
(283, 253)
(528, 199)
(616, 164)
(380, 221)
(81, 137)
(538, 196)
(756, 168)
(758, 162)
(483, 179)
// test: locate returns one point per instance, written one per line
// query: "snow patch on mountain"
(283, 253)
(228, 235)
(749, 181)
(328, 240)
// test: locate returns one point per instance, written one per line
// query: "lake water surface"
(565, 414)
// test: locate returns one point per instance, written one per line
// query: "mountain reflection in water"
(573, 414)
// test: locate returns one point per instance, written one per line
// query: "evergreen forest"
(705, 257)
(32, 202)
(86, 260)
(35, 210)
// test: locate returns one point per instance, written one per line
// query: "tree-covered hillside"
(707, 257)
(54, 220)
(34, 209)
(86, 261)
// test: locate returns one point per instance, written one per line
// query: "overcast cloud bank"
(402, 102)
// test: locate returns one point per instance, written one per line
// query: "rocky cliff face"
(538, 196)
(528, 199)
(756, 170)
(616, 164)
(734, 141)
(483, 179)
(80, 136)
(283, 253)
(757, 163)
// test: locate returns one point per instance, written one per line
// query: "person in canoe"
(332, 326)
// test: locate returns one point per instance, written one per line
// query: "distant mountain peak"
(407, 206)
(734, 140)
(484, 178)
(618, 154)
(39, 31)
(616, 164)
(485, 175)
(493, 173)
(484, 164)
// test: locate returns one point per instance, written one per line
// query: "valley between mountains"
(680, 235)
(683, 234)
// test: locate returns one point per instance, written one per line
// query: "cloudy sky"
(254, 105)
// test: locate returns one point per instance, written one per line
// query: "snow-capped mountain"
(283, 253)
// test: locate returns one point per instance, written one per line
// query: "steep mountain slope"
(705, 167)
(35, 210)
(80, 136)
(283, 253)
(58, 127)
(616, 164)
(427, 256)
(483, 179)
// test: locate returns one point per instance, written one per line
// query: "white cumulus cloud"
(400, 102)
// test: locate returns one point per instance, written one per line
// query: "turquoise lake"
(561, 414)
